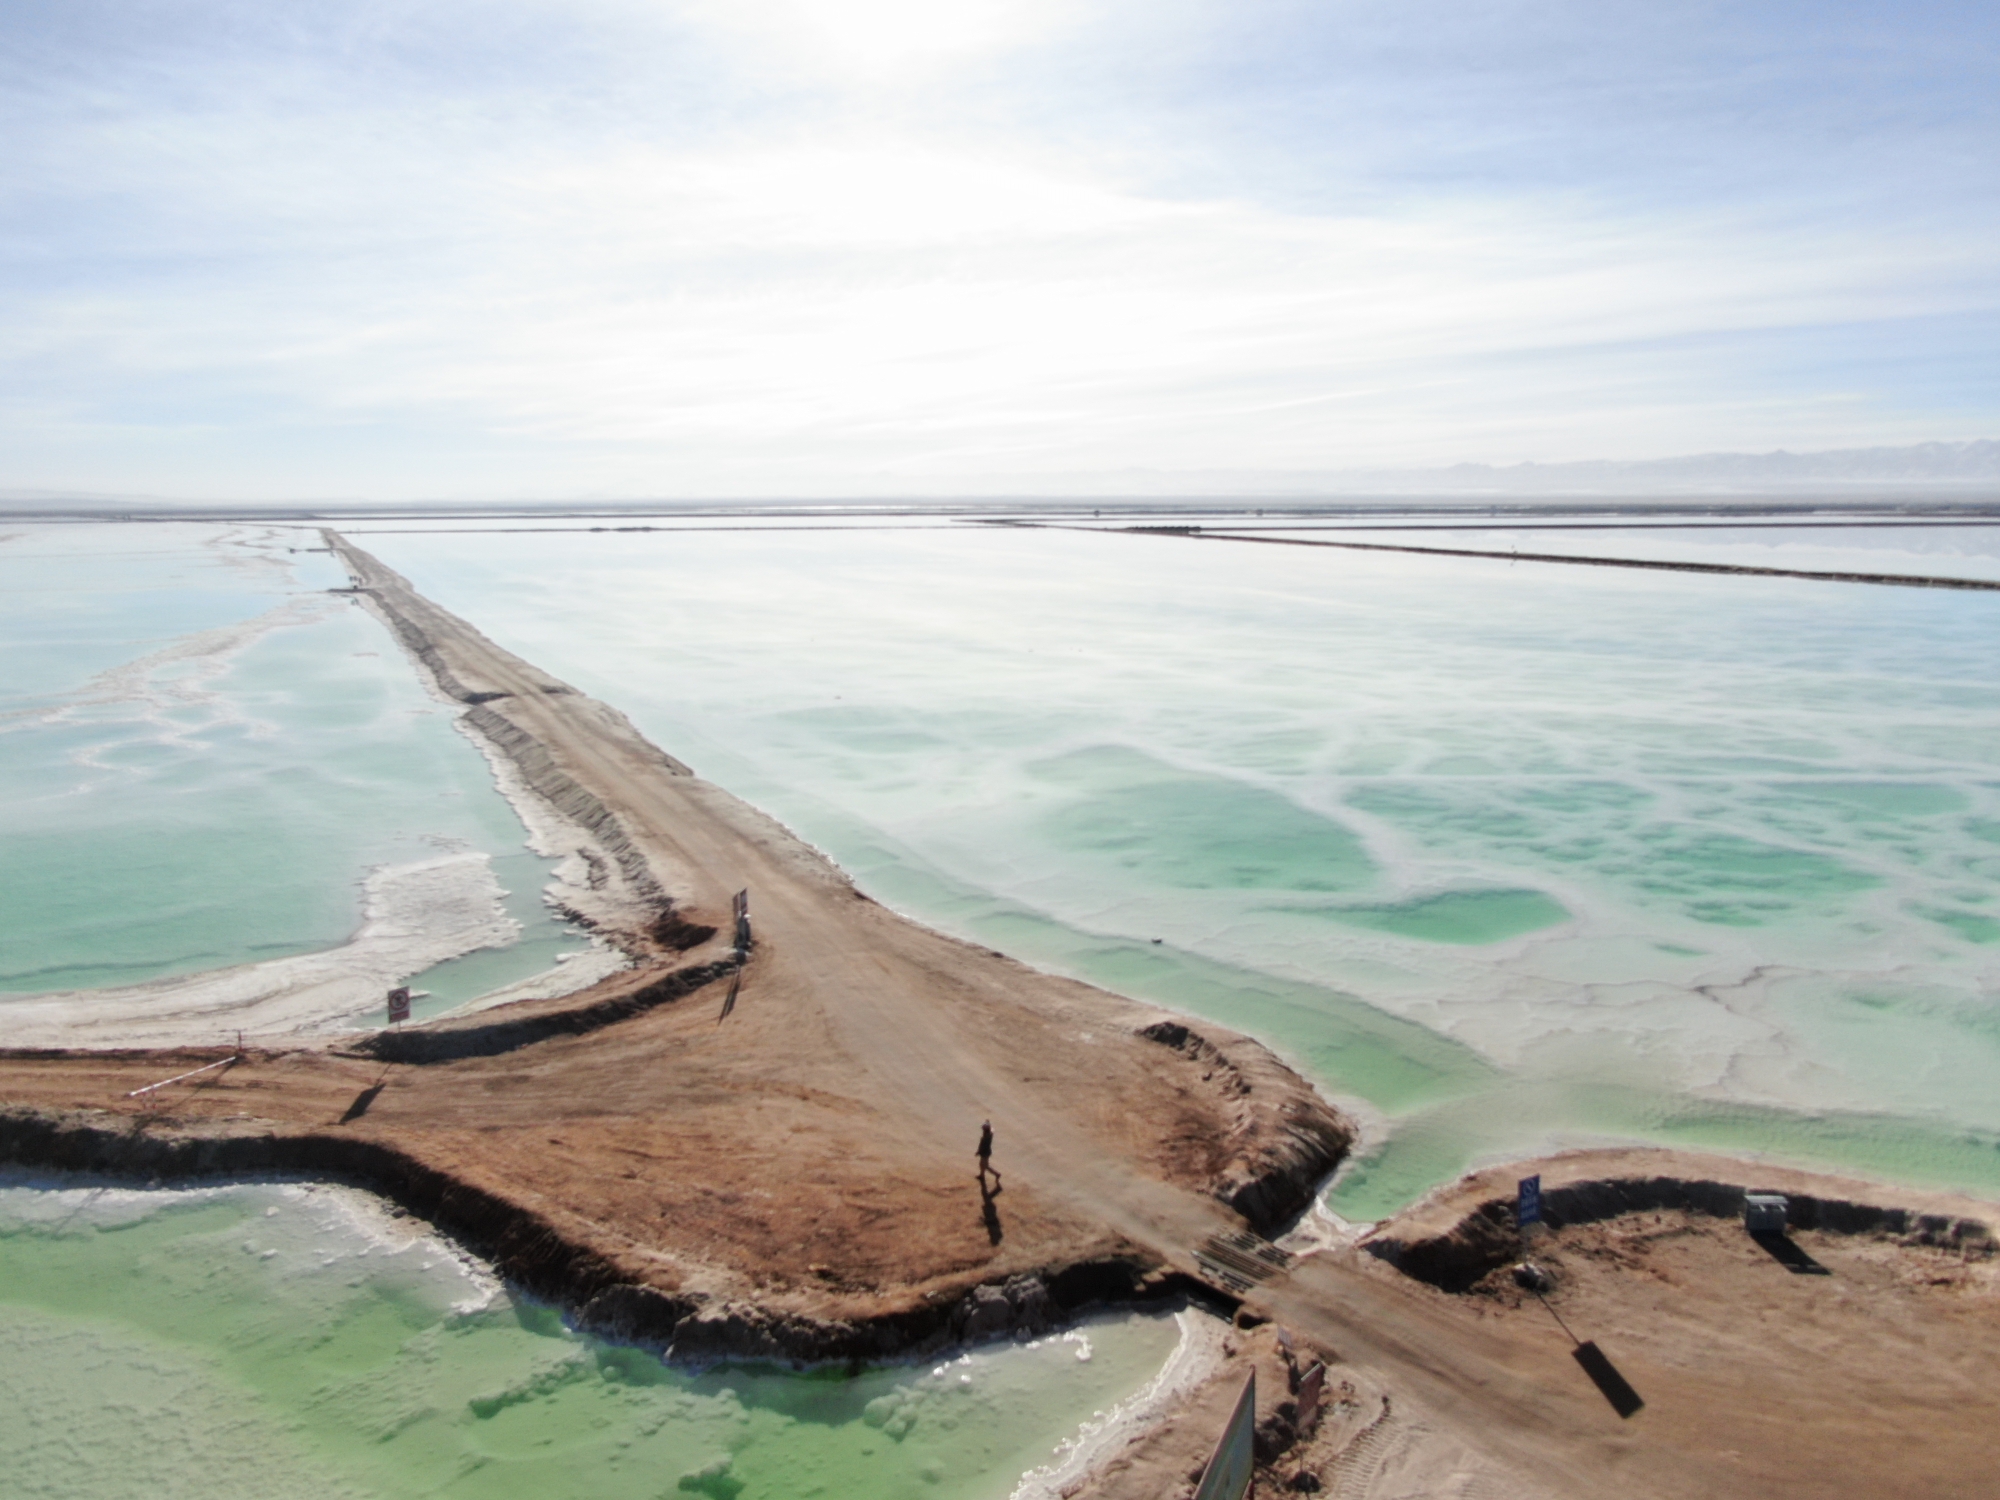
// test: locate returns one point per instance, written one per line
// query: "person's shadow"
(988, 1213)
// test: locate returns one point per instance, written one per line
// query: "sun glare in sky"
(796, 246)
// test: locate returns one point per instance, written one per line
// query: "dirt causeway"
(797, 1178)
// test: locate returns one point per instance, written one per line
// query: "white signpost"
(1234, 1462)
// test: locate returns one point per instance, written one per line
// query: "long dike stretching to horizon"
(1261, 1141)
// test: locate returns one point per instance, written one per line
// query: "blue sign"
(1529, 1209)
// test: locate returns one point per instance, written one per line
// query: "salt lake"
(1504, 856)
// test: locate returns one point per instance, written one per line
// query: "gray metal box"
(1765, 1213)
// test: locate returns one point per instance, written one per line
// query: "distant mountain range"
(1968, 471)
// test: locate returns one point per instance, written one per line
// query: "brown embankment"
(796, 1178)
(537, 1257)
(485, 675)
(1852, 1356)
(843, 1307)
(1480, 1234)
(560, 790)
(1647, 564)
(506, 1028)
(1285, 1143)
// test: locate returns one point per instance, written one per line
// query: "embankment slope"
(796, 1179)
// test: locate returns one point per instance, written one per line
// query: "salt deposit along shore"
(796, 1179)
(155, 792)
(413, 917)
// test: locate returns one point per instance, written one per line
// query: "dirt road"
(805, 1166)
(800, 1176)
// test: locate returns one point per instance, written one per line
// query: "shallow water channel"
(291, 1339)
(203, 754)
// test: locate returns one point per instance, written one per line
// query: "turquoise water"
(1503, 857)
(205, 753)
(1512, 856)
(288, 1340)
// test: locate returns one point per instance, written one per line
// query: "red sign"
(399, 1004)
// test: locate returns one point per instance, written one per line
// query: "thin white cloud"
(304, 284)
(870, 42)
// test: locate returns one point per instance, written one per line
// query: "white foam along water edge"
(138, 736)
(1113, 953)
(333, 1219)
(282, 1336)
(1426, 1106)
(1371, 965)
(1198, 1355)
(1673, 856)
(552, 834)
(554, 837)
(412, 912)
(415, 916)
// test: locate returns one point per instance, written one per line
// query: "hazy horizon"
(1945, 472)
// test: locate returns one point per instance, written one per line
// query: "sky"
(688, 248)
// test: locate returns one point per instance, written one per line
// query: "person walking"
(986, 1155)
